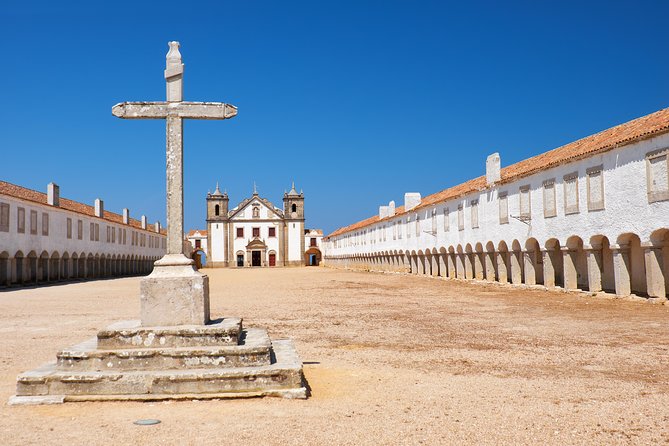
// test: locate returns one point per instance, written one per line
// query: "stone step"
(253, 350)
(130, 334)
(281, 378)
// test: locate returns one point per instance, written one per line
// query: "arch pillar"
(459, 266)
(529, 260)
(655, 283)
(570, 271)
(595, 261)
(516, 268)
(469, 265)
(621, 269)
(490, 266)
(548, 255)
(502, 269)
(452, 268)
(478, 266)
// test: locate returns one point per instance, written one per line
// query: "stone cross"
(175, 293)
(174, 111)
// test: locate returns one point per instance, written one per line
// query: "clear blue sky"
(358, 102)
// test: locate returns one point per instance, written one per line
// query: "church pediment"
(255, 208)
(256, 244)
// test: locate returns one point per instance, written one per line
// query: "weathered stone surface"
(174, 294)
(126, 334)
(253, 350)
(281, 378)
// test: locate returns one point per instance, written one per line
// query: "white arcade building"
(255, 232)
(591, 215)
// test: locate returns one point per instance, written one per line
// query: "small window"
(595, 187)
(4, 217)
(475, 213)
(399, 229)
(108, 236)
(21, 220)
(312, 242)
(417, 226)
(92, 231)
(271, 232)
(293, 208)
(124, 236)
(550, 206)
(461, 218)
(113, 235)
(240, 232)
(217, 210)
(571, 193)
(525, 205)
(80, 229)
(120, 236)
(503, 199)
(256, 232)
(45, 223)
(33, 222)
(657, 175)
(198, 243)
(447, 221)
(97, 232)
(408, 227)
(69, 228)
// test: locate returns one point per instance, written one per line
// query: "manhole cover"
(147, 422)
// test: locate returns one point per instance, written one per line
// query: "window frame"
(549, 185)
(590, 173)
(652, 195)
(573, 209)
(503, 197)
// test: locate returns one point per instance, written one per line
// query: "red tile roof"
(195, 231)
(636, 130)
(24, 193)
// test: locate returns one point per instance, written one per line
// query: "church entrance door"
(272, 260)
(255, 258)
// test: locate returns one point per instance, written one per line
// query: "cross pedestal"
(175, 293)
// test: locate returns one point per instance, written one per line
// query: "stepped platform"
(129, 362)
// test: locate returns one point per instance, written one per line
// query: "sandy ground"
(390, 360)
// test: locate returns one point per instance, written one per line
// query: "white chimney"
(53, 194)
(493, 169)
(411, 200)
(156, 226)
(391, 208)
(143, 221)
(383, 211)
(99, 208)
(126, 216)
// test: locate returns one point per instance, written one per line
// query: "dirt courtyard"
(389, 359)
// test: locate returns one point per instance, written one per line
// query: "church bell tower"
(217, 226)
(293, 213)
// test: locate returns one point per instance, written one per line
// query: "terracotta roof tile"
(195, 231)
(638, 129)
(24, 193)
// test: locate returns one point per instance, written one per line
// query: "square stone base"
(174, 295)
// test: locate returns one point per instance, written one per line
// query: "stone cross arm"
(184, 110)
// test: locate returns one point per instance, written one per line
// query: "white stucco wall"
(57, 241)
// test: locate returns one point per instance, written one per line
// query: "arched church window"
(256, 212)
(294, 208)
(217, 210)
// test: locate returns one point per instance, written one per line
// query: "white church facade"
(592, 215)
(255, 232)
